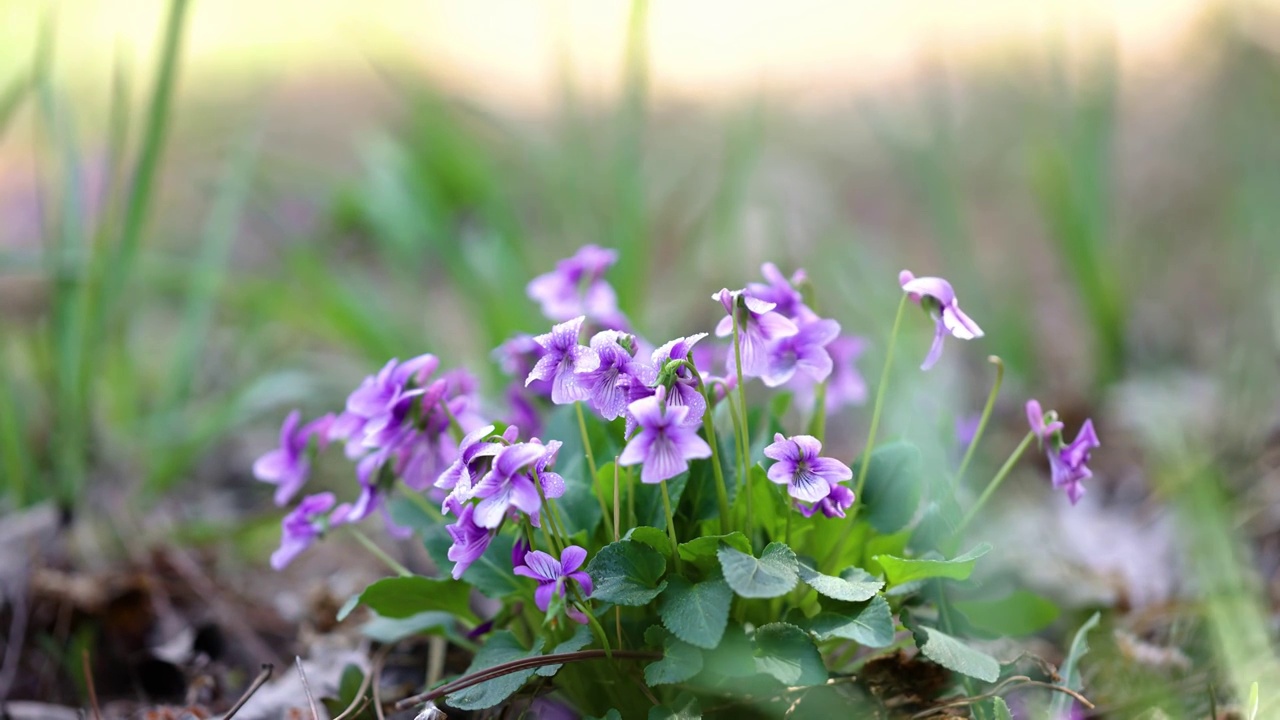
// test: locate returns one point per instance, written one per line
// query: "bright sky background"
(508, 51)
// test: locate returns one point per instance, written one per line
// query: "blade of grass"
(142, 190)
(15, 450)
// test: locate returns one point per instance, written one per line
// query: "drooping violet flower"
(517, 356)
(758, 325)
(937, 296)
(1067, 462)
(664, 443)
(564, 362)
(506, 485)
(833, 505)
(805, 352)
(684, 390)
(577, 287)
(608, 386)
(519, 549)
(469, 541)
(288, 465)
(808, 476)
(780, 291)
(553, 575)
(301, 527)
(458, 478)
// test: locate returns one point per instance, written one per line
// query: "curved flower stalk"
(937, 297)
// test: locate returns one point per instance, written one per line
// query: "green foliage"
(578, 507)
(775, 573)
(627, 573)
(392, 630)
(954, 654)
(904, 570)
(499, 648)
(685, 707)
(893, 486)
(1022, 612)
(680, 660)
(581, 638)
(1001, 710)
(1070, 670)
(786, 652)
(403, 597)
(653, 537)
(696, 613)
(853, 585)
(490, 573)
(701, 551)
(868, 623)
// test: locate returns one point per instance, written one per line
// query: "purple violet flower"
(469, 541)
(577, 287)
(808, 477)
(287, 466)
(806, 351)
(564, 362)
(301, 527)
(833, 505)
(552, 576)
(758, 326)
(684, 390)
(1067, 462)
(845, 385)
(664, 444)
(945, 309)
(459, 477)
(608, 386)
(506, 486)
(780, 291)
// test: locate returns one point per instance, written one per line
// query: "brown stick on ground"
(258, 682)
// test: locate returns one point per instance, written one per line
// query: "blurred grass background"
(211, 212)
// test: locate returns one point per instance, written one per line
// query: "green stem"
(745, 441)
(995, 482)
(982, 423)
(617, 505)
(818, 423)
(709, 428)
(596, 628)
(865, 460)
(591, 462)
(455, 427)
(548, 519)
(379, 553)
(671, 526)
(631, 499)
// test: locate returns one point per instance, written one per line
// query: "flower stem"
(591, 463)
(548, 519)
(455, 427)
(709, 428)
(982, 423)
(671, 526)
(995, 482)
(818, 423)
(596, 628)
(865, 460)
(617, 505)
(744, 440)
(379, 553)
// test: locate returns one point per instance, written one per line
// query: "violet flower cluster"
(1067, 461)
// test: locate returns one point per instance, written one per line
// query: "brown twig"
(88, 682)
(506, 668)
(1016, 681)
(263, 676)
(306, 688)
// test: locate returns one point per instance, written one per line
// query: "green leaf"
(853, 585)
(1020, 613)
(649, 508)
(348, 607)
(1001, 709)
(680, 661)
(787, 653)
(893, 487)
(651, 536)
(580, 639)
(773, 575)
(627, 573)
(734, 656)
(613, 714)
(402, 597)
(955, 655)
(697, 614)
(392, 630)
(348, 686)
(701, 551)
(1070, 671)
(501, 647)
(868, 623)
(685, 707)
(904, 570)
